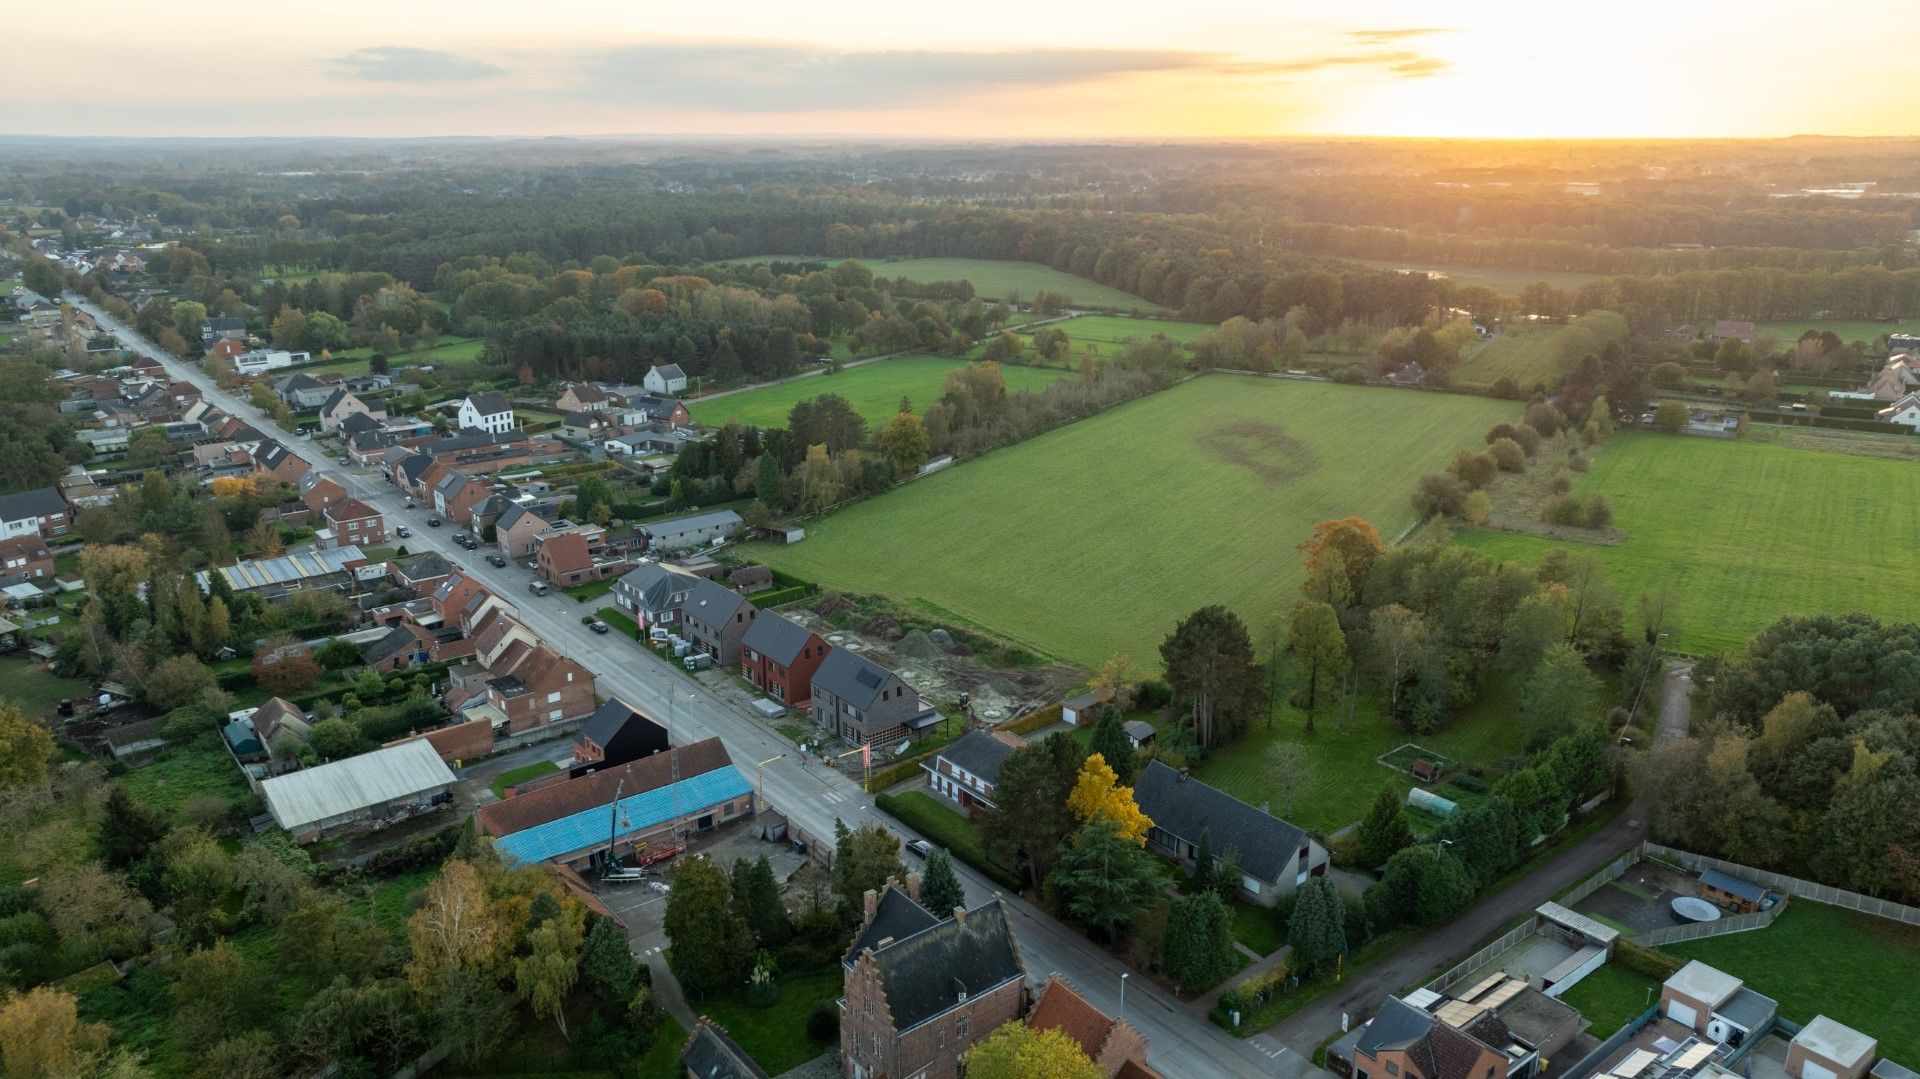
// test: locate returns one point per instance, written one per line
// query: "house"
(1825, 1049)
(360, 793)
(1408, 374)
(711, 1054)
(300, 391)
(455, 495)
(1112, 1044)
(281, 463)
(716, 620)
(637, 808)
(1273, 856)
(277, 717)
(691, 531)
(863, 703)
(1899, 377)
(921, 989)
(342, 403)
(222, 329)
(1903, 342)
(615, 734)
(422, 573)
(747, 580)
(653, 593)
(582, 397)
(1084, 707)
(352, 523)
(25, 558)
(1729, 329)
(965, 771)
(1502, 1029)
(532, 685)
(1714, 1004)
(489, 412)
(405, 644)
(780, 656)
(566, 559)
(515, 529)
(1905, 412)
(583, 425)
(40, 512)
(645, 408)
(1730, 893)
(318, 491)
(261, 360)
(665, 379)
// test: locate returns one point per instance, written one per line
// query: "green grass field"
(1849, 330)
(992, 279)
(1747, 532)
(34, 688)
(1821, 960)
(776, 1036)
(520, 775)
(874, 390)
(1610, 996)
(1108, 334)
(447, 349)
(1499, 279)
(1524, 354)
(1097, 537)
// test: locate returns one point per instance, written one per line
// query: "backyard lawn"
(992, 279)
(520, 775)
(447, 348)
(873, 389)
(1099, 536)
(1610, 996)
(776, 1036)
(1848, 330)
(1257, 928)
(1746, 532)
(1821, 960)
(180, 773)
(29, 684)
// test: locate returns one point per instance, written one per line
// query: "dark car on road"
(496, 561)
(433, 522)
(598, 626)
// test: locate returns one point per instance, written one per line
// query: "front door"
(706, 822)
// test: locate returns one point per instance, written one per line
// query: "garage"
(1684, 1014)
(1810, 1070)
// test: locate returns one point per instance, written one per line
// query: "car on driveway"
(343, 460)
(496, 561)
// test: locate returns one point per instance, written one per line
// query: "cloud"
(1382, 37)
(770, 78)
(1420, 68)
(404, 63)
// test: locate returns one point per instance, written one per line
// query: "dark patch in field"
(1262, 448)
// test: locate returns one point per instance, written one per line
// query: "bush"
(1647, 962)
(1152, 694)
(1439, 494)
(1599, 512)
(1473, 469)
(414, 854)
(1562, 510)
(823, 1022)
(1508, 454)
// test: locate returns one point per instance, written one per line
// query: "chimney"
(959, 915)
(912, 887)
(872, 899)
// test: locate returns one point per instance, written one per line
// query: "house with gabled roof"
(921, 988)
(40, 512)
(716, 620)
(582, 397)
(1905, 412)
(342, 403)
(965, 770)
(615, 734)
(351, 522)
(1273, 856)
(514, 531)
(301, 391)
(712, 1054)
(490, 412)
(652, 593)
(1112, 1044)
(665, 378)
(863, 703)
(25, 558)
(780, 656)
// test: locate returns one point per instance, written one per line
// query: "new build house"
(780, 656)
(863, 703)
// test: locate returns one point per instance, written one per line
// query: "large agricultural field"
(1745, 532)
(873, 389)
(1099, 536)
(992, 279)
(1499, 279)
(448, 348)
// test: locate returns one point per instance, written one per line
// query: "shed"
(1139, 732)
(1826, 1049)
(359, 793)
(1085, 706)
(1730, 892)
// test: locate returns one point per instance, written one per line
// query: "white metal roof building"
(358, 793)
(288, 572)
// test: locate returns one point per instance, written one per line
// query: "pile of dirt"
(830, 604)
(882, 627)
(1002, 687)
(918, 645)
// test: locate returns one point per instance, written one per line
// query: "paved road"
(1306, 1029)
(1179, 1044)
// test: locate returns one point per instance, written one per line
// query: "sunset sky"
(1070, 69)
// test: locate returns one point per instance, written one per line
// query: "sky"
(989, 69)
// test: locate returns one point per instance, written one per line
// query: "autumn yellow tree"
(1017, 1051)
(452, 931)
(25, 748)
(1098, 793)
(1116, 678)
(41, 1035)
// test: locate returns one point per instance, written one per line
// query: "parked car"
(599, 626)
(343, 460)
(496, 561)
(411, 503)
(586, 620)
(540, 588)
(433, 522)
(920, 847)
(403, 531)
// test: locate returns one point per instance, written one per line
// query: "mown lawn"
(1848, 330)
(1099, 536)
(873, 389)
(776, 1036)
(1257, 928)
(35, 689)
(520, 775)
(1107, 335)
(1610, 996)
(1821, 960)
(1747, 532)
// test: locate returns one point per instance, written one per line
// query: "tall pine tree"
(940, 889)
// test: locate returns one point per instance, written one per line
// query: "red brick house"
(515, 529)
(965, 771)
(354, 523)
(318, 492)
(582, 397)
(40, 512)
(921, 989)
(1111, 1043)
(569, 559)
(536, 686)
(25, 556)
(779, 656)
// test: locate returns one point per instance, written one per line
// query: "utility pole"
(760, 781)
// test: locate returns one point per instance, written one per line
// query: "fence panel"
(1612, 872)
(1793, 886)
(1485, 955)
(1590, 1063)
(1719, 927)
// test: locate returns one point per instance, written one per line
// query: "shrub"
(1505, 388)
(1153, 694)
(1563, 509)
(1439, 494)
(1599, 512)
(1647, 962)
(823, 1022)
(1508, 454)
(1473, 469)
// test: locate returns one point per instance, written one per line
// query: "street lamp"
(1123, 993)
(760, 780)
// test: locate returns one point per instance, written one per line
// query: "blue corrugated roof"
(1733, 885)
(637, 813)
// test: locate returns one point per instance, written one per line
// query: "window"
(553, 698)
(1392, 1068)
(961, 1026)
(556, 713)
(940, 1041)
(728, 809)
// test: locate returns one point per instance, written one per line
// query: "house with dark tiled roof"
(780, 656)
(223, 328)
(516, 528)
(301, 391)
(716, 620)
(965, 770)
(404, 645)
(40, 512)
(582, 397)
(711, 1054)
(1112, 1044)
(343, 403)
(652, 593)
(422, 573)
(920, 989)
(1501, 1027)
(352, 522)
(1273, 856)
(489, 412)
(860, 702)
(615, 734)
(665, 378)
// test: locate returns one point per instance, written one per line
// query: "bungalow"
(490, 412)
(614, 735)
(664, 379)
(653, 594)
(690, 531)
(1731, 329)
(40, 512)
(863, 703)
(25, 558)
(404, 645)
(353, 523)
(646, 408)
(1273, 856)
(262, 360)
(717, 619)
(780, 656)
(342, 403)
(965, 771)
